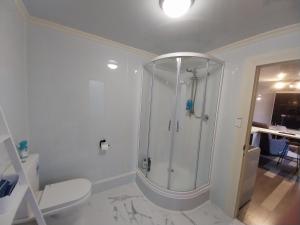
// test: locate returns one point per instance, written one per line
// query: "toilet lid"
(64, 193)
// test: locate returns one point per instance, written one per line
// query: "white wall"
(75, 100)
(227, 159)
(13, 72)
(264, 108)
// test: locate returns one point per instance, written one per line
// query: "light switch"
(238, 122)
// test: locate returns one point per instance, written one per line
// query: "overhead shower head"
(193, 71)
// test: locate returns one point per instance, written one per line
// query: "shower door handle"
(169, 128)
(177, 126)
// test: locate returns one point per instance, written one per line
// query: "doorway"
(269, 191)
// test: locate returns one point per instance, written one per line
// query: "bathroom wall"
(75, 100)
(227, 159)
(13, 72)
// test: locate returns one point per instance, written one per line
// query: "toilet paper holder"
(103, 145)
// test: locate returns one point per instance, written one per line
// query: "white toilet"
(63, 195)
(55, 198)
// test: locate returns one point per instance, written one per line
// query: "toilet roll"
(104, 146)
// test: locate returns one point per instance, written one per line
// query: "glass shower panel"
(208, 127)
(144, 118)
(191, 88)
(164, 81)
(178, 118)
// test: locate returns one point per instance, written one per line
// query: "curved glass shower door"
(199, 82)
(187, 138)
(178, 118)
(163, 103)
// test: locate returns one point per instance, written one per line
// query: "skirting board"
(112, 182)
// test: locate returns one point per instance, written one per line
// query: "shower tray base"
(171, 200)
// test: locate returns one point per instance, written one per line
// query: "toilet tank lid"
(32, 160)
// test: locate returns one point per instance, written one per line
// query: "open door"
(273, 114)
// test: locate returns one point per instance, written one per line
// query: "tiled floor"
(126, 205)
(277, 191)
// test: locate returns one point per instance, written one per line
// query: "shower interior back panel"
(126, 205)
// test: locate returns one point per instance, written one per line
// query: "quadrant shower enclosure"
(180, 96)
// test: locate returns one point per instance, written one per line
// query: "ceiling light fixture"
(281, 76)
(291, 86)
(112, 64)
(298, 85)
(258, 98)
(175, 8)
(279, 85)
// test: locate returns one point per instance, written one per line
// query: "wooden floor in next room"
(276, 198)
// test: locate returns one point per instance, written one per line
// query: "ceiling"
(141, 23)
(268, 76)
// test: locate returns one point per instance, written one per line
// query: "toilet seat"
(58, 196)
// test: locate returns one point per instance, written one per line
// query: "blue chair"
(268, 145)
(277, 146)
(286, 150)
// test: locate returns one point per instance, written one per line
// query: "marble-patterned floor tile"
(126, 205)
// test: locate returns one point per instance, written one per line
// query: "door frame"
(246, 108)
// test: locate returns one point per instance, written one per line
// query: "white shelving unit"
(13, 204)
(10, 204)
(3, 138)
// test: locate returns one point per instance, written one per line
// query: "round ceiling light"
(175, 8)
(281, 75)
(279, 85)
(112, 64)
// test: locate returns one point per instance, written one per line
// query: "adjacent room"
(273, 161)
(149, 112)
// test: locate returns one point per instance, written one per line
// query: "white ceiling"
(291, 69)
(141, 23)
(268, 76)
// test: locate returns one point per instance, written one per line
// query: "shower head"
(197, 73)
(194, 72)
(191, 70)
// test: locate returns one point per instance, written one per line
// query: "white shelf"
(10, 204)
(3, 138)
(16, 198)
